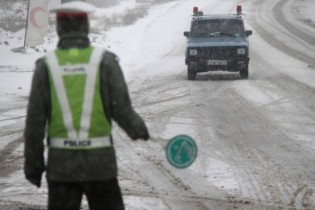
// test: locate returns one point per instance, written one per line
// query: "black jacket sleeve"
(36, 119)
(120, 107)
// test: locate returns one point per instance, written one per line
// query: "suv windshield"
(217, 28)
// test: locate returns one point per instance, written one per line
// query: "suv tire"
(191, 73)
(244, 73)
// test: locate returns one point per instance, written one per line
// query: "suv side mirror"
(187, 34)
(248, 32)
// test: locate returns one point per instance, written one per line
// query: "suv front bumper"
(202, 65)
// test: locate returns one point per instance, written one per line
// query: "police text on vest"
(81, 143)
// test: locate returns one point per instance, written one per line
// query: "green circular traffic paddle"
(181, 150)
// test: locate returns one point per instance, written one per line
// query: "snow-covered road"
(256, 137)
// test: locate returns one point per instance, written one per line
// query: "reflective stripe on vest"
(77, 144)
(76, 139)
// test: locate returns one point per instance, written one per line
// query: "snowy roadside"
(300, 14)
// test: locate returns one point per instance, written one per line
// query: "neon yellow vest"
(77, 118)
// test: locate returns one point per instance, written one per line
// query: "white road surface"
(256, 137)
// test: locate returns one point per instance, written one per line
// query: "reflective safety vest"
(77, 119)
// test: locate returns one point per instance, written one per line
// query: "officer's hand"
(145, 135)
(140, 134)
(34, 180)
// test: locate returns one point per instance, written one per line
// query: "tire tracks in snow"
(7, 167)
(247, 152)
(281, 170)
(265, 176)
(11, 126)
(259, 21)
(178, 185)
(193, 108)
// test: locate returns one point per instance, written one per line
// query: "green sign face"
(181, 151)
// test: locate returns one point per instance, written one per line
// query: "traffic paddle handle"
(163, 142)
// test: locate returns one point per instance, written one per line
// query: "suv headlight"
(241, 51)
(193, 52)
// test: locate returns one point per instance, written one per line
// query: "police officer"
(77, 90)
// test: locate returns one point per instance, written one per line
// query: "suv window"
(217, 28)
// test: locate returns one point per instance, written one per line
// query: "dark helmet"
(72, 18)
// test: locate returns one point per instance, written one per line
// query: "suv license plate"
(217, 62)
